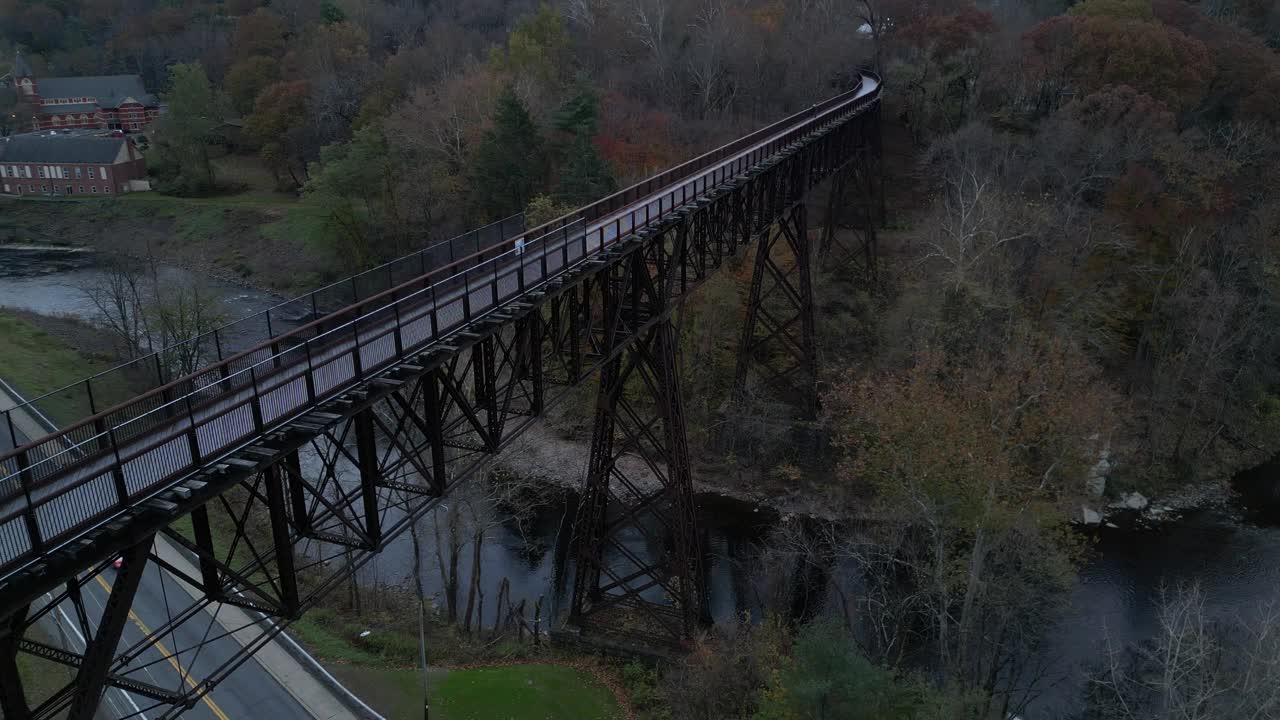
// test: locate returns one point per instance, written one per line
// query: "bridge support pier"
(854, 208)
(778, 338)
(633, 510)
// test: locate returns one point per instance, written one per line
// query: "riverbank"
(37, 362)
(262, 243)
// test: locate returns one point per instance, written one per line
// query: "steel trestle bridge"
(298, 459)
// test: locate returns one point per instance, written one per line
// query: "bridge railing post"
(399, 336)
(357, 363)
(466, 297)
(435, 312)
(29, 512)
(311, 373)
(255, 404)
(193, 438)
(117, 472)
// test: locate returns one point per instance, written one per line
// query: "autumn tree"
(247, 79)
(1110, 43)
(261, 32)
(977, 455)
(436, 130)
(279, 123)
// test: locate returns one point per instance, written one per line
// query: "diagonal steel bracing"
(778, 347)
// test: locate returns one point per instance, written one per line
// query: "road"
(250, 692)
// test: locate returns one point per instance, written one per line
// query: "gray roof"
(44, 148)
(89, 108)
(21, 68)
(110, 90)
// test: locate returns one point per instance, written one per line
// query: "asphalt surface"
(250, 692)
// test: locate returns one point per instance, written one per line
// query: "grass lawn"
(42, 678)
(515, 692)
(523, 692)
(36, 363)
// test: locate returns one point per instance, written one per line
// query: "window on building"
(94, 189)
(44, 188)
(81, 189)
(106, 188)
(41, 171)
(68, 189)
(66, 173)
(77, 173)
(31, 187)
(91, 174)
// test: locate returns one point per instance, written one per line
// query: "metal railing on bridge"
(102, 465)
(164, 365)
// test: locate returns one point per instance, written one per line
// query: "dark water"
(533, 558)
(1232, 553)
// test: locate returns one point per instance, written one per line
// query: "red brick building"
(100, 102)
(59, 163)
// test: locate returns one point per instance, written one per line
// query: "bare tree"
(118, 293)
(1194, 668)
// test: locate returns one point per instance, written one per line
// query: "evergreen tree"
(508, 166)
(580, 113)
(195, 111)
(584, 175)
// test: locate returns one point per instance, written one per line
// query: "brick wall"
(70, 178)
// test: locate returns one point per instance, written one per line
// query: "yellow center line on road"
(213, 706)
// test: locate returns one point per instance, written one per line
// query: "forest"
(1075, 296)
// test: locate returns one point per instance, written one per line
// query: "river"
(1232, 553)
(51, 281)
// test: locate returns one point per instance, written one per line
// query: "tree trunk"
(473, 592)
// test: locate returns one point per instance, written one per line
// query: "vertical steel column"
(434, 411)
(534, 330)
(485, 380)
(280, 539)
(13, 699)
(297, 492)
(835, 199)
(367, 453)
(92, 676)
(204, 540)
